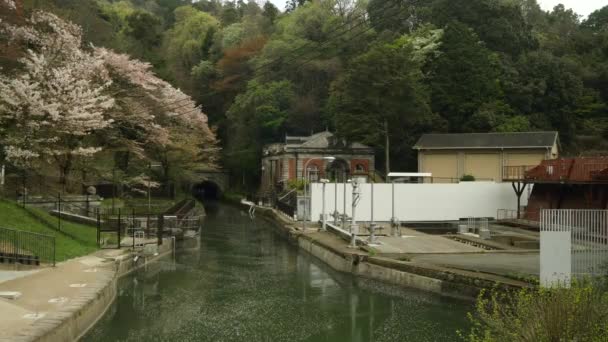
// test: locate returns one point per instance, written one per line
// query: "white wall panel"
(419, 202)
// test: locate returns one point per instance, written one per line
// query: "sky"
(582, 7)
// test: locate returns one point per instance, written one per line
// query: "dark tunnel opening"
(207, 190)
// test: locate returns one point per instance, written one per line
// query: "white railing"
(578, 237)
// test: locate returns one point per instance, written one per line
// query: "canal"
(245, 283)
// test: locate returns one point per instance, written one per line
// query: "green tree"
(379, 96)
(271, 12)
(257, 116)
(463, 77)
(187, 43)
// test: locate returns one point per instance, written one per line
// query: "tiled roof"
(487, 140)
(582, 169)
(319, 141)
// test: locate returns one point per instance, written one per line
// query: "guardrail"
(286, 208)
(26, 247)
(517, 172)
(530, 216)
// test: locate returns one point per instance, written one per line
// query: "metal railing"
(588, 230)
(528, 216)
(286, 208)
(517, 172)
(26, 248)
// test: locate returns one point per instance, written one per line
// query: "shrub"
(297, 184)
(467, 178)
(579, 313)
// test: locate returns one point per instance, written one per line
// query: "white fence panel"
(417, 202)
(580, 233)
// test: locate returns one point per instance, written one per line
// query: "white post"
(323, 227)
(394, 220)
(336, 200)
(2, 170)
(344, 205)
(305, 198)
(354, 229)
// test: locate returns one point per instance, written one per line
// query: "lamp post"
(306, 202)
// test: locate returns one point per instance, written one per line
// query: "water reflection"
(247, 284)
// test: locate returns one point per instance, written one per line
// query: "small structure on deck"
(485, 156)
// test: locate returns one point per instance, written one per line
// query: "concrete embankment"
(63, 303)
(335, 252)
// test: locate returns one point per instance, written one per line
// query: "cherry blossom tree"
(66, 102)
(176, 131)
(50, 109)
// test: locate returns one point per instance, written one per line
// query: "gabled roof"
(487, 141)
(322, 140)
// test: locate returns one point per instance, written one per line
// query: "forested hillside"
(375, 71)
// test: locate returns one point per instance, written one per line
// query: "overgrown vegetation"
(579, 313)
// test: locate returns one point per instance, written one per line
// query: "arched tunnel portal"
(207, 190)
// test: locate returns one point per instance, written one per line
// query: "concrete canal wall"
(431, 278)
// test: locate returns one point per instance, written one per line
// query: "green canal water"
(245, 283)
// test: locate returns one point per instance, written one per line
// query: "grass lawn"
(140, 204)
(13, 216)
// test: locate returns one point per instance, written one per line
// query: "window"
(313, 173)
(360, 168)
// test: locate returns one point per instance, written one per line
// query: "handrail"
(289, 193)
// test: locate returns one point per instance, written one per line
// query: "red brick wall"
(363, 162)
(292, 169)
(319, 163)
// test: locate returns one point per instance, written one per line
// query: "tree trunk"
(387, 148)
(65, 167)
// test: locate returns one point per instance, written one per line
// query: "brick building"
(285, 161)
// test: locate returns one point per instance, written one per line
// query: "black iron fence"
(26, 248)
(286, 208)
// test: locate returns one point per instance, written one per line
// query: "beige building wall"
(524, 158)
(483, 166)
(441, 165)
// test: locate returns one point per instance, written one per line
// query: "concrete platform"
(506, 264)
(48, 290)
(414, 242)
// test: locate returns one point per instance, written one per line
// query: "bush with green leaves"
(578, 313)
(297, 184)
(467, 178)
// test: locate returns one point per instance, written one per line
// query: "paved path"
(8, 274)
(50, 289)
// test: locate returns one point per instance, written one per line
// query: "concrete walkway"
(50, 289)
(506, 264)
(412, 241)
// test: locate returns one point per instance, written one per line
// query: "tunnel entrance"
(207, 190)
